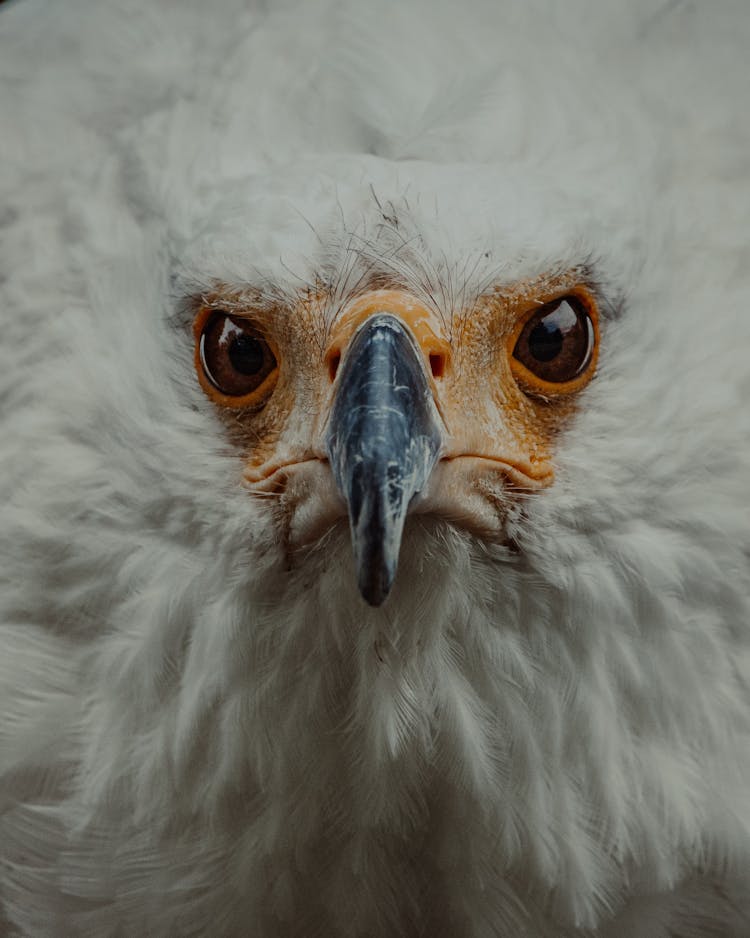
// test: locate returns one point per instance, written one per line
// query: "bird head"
(385, 405)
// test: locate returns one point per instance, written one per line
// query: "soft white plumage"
(203, 734)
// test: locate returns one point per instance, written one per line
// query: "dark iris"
(557, 342)
(246, 355)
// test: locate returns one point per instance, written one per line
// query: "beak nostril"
(333, 363)
(437, 364)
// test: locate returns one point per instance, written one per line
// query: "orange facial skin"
(500, 420)
(423, 325)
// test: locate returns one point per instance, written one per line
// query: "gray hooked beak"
(383, 441)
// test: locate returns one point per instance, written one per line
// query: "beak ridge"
(383, 440)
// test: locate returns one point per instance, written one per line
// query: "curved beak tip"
(375, 589)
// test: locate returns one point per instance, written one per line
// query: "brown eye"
(557, 343)
(234, 357)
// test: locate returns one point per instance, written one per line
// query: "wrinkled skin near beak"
(383, 440)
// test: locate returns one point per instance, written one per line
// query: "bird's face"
(385, 404)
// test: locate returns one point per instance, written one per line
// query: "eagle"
(374, 518)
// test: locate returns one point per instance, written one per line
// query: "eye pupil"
(545, 341)
(246, 355)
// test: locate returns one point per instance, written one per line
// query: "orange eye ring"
(582, 303)
(236, 364)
